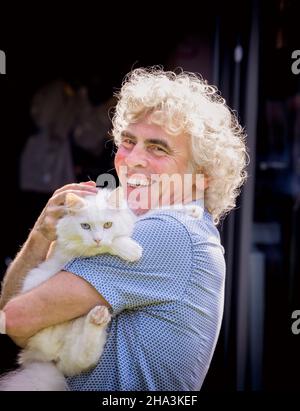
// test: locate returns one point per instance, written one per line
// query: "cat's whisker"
(111, 169)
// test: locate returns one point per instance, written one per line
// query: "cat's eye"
(108, 224)
(85, 226)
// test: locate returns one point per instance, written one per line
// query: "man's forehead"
(146, 129)
(162, 141)
(154, 134)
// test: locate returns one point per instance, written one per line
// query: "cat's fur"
(74, 346)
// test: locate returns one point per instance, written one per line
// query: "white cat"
(92, 225)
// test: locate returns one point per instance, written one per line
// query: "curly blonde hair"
(184, 103)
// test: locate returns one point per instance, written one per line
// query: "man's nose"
(137, 157)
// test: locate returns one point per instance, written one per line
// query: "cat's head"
(94, 221)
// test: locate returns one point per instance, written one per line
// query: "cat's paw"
(127, 248)
(134, 252)
(99, 315)
(194, 211)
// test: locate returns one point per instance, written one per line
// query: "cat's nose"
(97, 241)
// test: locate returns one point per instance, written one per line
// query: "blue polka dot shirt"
(167, 307)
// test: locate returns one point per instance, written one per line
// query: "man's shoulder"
(178, 226)
(177, 219)
(160, 224)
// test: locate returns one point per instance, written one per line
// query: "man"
(167, 308)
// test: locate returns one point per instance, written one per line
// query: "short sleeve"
(160, 276)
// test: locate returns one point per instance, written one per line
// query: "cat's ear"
(73, 203)
(116, 198)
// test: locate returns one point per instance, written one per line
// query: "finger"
(90, 183)
(76, 186)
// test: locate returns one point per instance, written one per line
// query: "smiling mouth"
(136, 182)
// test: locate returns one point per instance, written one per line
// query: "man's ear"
(73, 203)
(116, 198)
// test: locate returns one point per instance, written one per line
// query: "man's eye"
(158, 149)
(85, 226)
(127, 143)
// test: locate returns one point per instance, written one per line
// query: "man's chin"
(139, 211)
(143, 199)
(140, 197)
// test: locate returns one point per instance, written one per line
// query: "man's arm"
(61, 298)
(33, 252)
(42, 235)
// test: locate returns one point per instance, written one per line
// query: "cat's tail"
(34, 376)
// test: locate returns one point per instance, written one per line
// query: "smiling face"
(147, 158)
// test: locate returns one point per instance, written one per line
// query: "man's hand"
(63, 297)
(20, 342)
(54, 209)
(37, 246)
